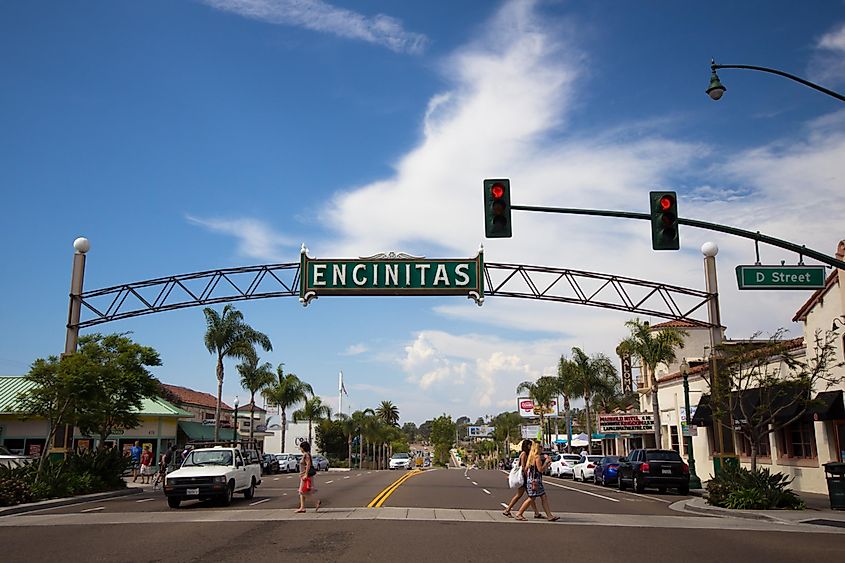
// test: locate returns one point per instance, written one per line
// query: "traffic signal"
(497, 208)
(664, 221)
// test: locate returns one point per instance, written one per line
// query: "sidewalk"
(818, 511)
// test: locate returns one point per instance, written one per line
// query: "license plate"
(667, 471)
(192, 492)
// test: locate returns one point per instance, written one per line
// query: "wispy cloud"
(255, 238)
(828, 64)
(320, 16)
(355, 349)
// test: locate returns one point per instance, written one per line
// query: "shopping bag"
(516, 479)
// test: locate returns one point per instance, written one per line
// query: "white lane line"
(347, 477)
(275, 478)
(145, 500)
(93, 509)
(505, 506)
(474, 483)
(582, 491)
(636, 495)
(357, 474)
(259, 501)
(329, 482)
(284, 494)
(486, 491)
(368, 472)
(290, 476)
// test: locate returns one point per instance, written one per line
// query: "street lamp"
(81, 246)
(694, 481)
(716, 89)
(236, 419)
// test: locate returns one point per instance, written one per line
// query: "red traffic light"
(497, 191)
(665, 202)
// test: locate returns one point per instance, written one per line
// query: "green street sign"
(780, 277)
(391, 274)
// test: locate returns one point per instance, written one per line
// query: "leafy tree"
(543, 392)
(361, 421)
(442, 436)
(254, 378)
(330, 438)
(424, 431)
(507, 426)
(410, 431)
(288, 391)
(652, 348)
(118, 369)
(228, 336)
(388, 412)
(312, 410)
(584, 375)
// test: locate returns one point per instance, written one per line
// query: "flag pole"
(340, 393)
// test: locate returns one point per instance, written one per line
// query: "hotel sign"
(626, 423)
(391, 274)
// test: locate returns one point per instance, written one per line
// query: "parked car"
(585, 467)
(660, 469)
(320, 462)
(400, 460)
(298, 458)
(606, 471)
(269, 464)
(287, 463)
(212, 473)
(12, 461)
(562, 466)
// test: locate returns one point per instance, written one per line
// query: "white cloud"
(355, 349)
(256, 239)
(321, 16)
(833, 40)
(828, 64)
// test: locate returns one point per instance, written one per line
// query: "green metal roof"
(10, 386)
(197, 431)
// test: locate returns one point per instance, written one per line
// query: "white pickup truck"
(212, 473)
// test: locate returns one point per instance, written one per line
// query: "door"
(240, 472)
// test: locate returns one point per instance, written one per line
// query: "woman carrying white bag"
(516, 479)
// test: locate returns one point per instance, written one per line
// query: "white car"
(287, 463)
(562, 465)
(400, 461)
(212, 473)
(585, 468)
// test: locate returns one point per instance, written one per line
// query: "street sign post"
(780, 277)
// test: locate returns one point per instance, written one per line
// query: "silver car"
(287, 463)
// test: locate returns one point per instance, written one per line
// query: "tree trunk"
(589, 423)
(753, 456)
(219, 396)
(251, 418)
(284, 427)
(568, 424)
(360, 451)
(309, 431)
(349, 444)
(655, 406)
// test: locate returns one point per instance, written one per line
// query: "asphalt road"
(599, 522)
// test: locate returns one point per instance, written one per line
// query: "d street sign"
(780, 277)
(391, 274)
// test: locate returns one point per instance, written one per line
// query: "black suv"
(661, 469)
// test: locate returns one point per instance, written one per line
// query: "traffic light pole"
(756, 236)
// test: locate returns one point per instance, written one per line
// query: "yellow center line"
(383, 495)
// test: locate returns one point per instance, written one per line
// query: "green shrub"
(739, 488)
(14, 487)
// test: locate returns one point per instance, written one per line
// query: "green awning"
(199, 432)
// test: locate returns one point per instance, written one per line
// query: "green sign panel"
(391, 274)
(780, 277)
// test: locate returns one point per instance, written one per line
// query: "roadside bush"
(14, 487)
(740, 488)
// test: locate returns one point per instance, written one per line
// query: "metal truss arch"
(542, 283)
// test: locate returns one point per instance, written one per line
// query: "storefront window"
(673, 436)
(799, 441)
(743, 445)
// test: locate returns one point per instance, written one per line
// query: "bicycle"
(160, 475)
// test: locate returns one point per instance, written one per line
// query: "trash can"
(834, 472)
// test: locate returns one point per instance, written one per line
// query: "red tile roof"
(818, 295)
(678, 324)
(191, 397)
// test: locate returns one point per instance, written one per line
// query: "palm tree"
(652, 348)
(254, 378)
(228, 336)
(313, 409)
(361, 421)
(586, 374)
(543, 392)
(349, 427)
(287, 392)
(568, 387)
(388, 412)
(507, 425)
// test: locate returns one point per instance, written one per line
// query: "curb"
(699, 506)
(59, 502)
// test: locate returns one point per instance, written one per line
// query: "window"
(673, 437)
(743, 446)
(663, 455)
(799, 441)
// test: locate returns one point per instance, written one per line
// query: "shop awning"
(199, 432)
(827, 405)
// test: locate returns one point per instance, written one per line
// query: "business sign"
(530, 431)
(626, 423)
(526, 408)
(780, 277)
(480, 431)
(687, 428)
(391, 274)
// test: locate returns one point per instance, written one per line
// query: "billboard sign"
(526, 408)
(530, 431)
(480, 431)
(626, 423)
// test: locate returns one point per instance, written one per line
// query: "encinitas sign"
(391, 274)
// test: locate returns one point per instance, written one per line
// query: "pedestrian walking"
(146, 465)
(537, 464)
(306, 476)
(135, 457)
(523, 464)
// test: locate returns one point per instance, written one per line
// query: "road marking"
(259, 501)
(284, 494)
(329, 482)
(93, 509)
(638, 495)
(275, 478)
(368, 472)
(474, 483)
(383, 495)
(486, 491)
(347, 477)
(145, 500)
(290, 477)
(582, 491)
(505, 506)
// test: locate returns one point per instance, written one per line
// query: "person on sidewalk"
(135, 457)
(306, 476)
(537, 464)
(523, 463)
(146, 465)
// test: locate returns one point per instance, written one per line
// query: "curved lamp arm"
(716, 89)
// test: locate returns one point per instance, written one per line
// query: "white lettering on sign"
(461, 275)
(422, 268)
(355, 279)
(339, 274)
(407, 275)
(441, 275)
(319, 272)
(391, 271)
(781, 277)
(761, 277)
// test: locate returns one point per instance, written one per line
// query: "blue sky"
(185, 135)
